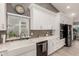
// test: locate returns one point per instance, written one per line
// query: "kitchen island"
(28, 47)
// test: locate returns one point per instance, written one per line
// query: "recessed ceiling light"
(73, 14)
(68, 7)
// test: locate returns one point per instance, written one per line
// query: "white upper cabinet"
(2, 16)
(41, 18)
(65, 19)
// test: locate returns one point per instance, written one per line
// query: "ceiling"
(70, 9)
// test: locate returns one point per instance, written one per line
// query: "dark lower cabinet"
(42, 48)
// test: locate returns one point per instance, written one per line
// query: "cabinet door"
(40, 18)
(57, 26)
(36, 19)
(65, 20)
(50, 47)
(58, 43)
(2, 16)
(52, 21)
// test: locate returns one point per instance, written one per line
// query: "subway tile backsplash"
(40, 33)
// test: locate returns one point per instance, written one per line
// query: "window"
(17, 26)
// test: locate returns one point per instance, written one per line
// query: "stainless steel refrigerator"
(68, 35)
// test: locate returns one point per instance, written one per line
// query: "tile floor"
(68, 51)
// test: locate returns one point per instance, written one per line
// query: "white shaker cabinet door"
(40, 18)
(50, 46)
(2, 16)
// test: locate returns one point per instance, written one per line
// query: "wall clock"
(19, 9)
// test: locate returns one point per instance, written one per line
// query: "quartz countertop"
(9, 46)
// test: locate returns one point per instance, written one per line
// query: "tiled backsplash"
(40, 33)
(36, 34)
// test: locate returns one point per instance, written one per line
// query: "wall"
(11, 7)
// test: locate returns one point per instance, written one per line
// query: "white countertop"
(9, 46)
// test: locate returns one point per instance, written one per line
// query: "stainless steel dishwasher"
(42, 48)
